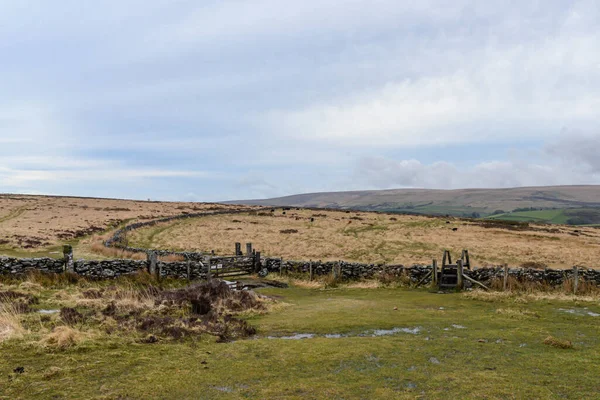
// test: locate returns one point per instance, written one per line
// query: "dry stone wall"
(103, 269)
(351, 271)
(417, 272)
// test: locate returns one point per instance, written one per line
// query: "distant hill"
(461, 202)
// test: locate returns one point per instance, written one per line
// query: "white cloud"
(292, 93)
(568, 160)
(508, 90)
(11, 177)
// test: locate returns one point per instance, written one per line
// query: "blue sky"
(217, 100)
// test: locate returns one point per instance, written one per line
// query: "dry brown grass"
(558, 343)
(113, 252)
(62, 337)
(525, 297)
(371, 237)
(50, 221)
(171, 258)
(10, 323)
(517, 312)
(514, 285)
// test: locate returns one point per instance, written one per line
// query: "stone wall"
(119, 238)
(348, 270)
(102, 269)
(417, 272)
(351, 271)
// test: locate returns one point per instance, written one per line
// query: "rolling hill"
(462, 202)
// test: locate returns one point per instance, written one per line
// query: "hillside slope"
(454, 202)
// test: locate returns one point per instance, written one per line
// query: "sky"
(221, 100)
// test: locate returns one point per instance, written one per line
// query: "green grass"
(438, 209)
(52, 252)
(495, 356)
(549, 216)
(586, 216)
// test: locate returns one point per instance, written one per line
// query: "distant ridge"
(454, 202)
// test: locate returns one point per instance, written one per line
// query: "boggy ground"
(362, 341)
(377, 238)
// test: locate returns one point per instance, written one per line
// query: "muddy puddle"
(579, 311)
(369, 333)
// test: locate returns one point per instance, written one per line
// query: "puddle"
(48, 311)
(386, 332)
(369, 333)
(298, 336)
(580, 312)
(333, 336)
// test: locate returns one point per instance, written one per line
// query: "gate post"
(459, 275)
(238, 249)
(248, 249)
(257, 264)
(68, 256)
(152, 262)
(207, 266)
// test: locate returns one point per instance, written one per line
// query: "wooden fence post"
(459, 275)
(68, 256)
(189, 269)
(575, 279)
(238, 249)
(248, 249)
(310, 270)
(505, 280)
(434, 271)
(207, 262)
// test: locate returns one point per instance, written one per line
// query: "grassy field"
(573, 216)
(372, 237)
(549, 216)
(38, 226)
(473, 345)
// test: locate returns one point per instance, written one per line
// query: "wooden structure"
(451, 276)
(215, 266)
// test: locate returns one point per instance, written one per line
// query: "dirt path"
(13, 214)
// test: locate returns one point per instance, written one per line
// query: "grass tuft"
(10, 323)
(63, 337)
(558, 343)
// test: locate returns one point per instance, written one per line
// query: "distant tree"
(498, 212)
(475, 215)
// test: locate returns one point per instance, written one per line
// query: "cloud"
(567, 160)
(294, 95)
(577, 148)
(12, 177)
(522, 76)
